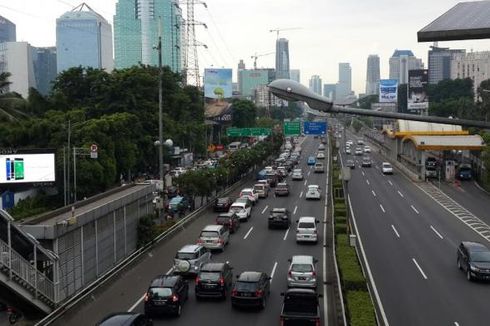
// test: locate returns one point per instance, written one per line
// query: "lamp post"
(168, 143)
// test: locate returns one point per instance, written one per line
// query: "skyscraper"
(16, 58)
(83, 38)
(282, 58)
(295, 74)
(7, 30)
(472, 65)
(344, 86)
(136, 32)
(250, 79)
(316, 84)
(440, 63)
(401, 62)
(329, 91)
(44, 68)
(372, 75)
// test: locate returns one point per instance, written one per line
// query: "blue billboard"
(388, 91)
(315, 128)
(217, 83)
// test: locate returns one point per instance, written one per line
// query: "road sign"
(292, 128)
(93, 148)
(234, 132)
(247, 132)
(315, 128)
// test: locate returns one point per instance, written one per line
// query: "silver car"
(297, 174)
(214, 237)
(302, 272)
(189, 258)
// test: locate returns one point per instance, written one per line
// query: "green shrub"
(340, 228)
(360, 308)
(350, 270)
(146, 230)
(160, 228)
(340, 212)
(340, 219)
(32, 206)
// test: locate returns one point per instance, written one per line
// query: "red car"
(222, 204)
(230, 220)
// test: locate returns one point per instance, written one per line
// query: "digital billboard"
(417, 89)
(218, 83)
(25, 168)
(388, 90)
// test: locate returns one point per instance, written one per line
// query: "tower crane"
(277, 30)
(257, 56)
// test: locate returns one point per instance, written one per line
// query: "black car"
(222, 204)
(279, 217)
(166, 295)
(474, 260)
(214, 280)
(251, 290)
(126, 319)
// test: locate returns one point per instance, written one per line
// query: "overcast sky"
(330, 31)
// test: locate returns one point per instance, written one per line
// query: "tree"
(365, 102)
(244, 113)
(12, 105)
(483, 92)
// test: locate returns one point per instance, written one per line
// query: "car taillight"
(175, 298)
(200, 241)
(234, 292)
(317, 322)
(259, 293)
(147, 296)
(313, 273)
(221, 241)
(281, 321)
(290, 274)
(197, 280)
(221, 281)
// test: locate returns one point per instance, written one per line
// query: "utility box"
(352, 240)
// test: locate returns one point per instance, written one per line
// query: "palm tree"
(11, 104)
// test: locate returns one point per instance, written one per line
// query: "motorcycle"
(13, 314)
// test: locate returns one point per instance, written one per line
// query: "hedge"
(350, 270)
(340, 228)
(340, 212)
(360, 308)
(340, 219)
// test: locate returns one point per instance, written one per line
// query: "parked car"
(302, 271)
(242, 208)
(311, 160)
(166, 295)
(262, 190)
(126, 319)
(366, 162)
(300, 307)
(189, 258)
(319, 168)
(214, 280)
(251, 194)
(314, 192)
(222, 204)
(251, 289)
(279, 217)
(214, 237)
(229, 220)
(297, 174)
(282, 189)
(350, 164)
(473, 258)
(306, 230)
(178, 204)
(386, 168)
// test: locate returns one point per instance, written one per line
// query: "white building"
(401, 62)
(372, 75)
(474, 65)
(16, 58)
(344, 86)
(264, 98)
(316, 84)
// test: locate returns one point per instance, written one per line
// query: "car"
(311, 160)
(273, 178)
(126, 319)
(302, 272)
(282, 189)
(262, 190)
(367, 149)
(279, 217)
(348, 150)
(297, 174)
(242, 208)
(360, 142)
(350, 164)
(464, 172)
(319, 168)
(178, 204)
(189, 259)
(222, 204)
(282, 170)
(358, 151)
(214, 236)
(320, 155)
(321, 147)
(265, 182)
(214, 280)
(314, 192)
(366, 162)
(166, 295)
(251, 194)
(300, 307)
(229, 220)
(349, 143)
(473, 258)
(386, 168)
(306, 230)
(251, 289)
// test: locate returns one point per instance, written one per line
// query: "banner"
(25, 168)
(388, 90)
(417, 89)
(218, 83)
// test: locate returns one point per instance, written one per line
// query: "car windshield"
(278, 214)
(222, 200)
(223, 219)
(247, 193)
(386, 165)
(259, 187)
(302, 268)
(296, 171)
(186, 255)
(481, 256)
(236, 208)
(306, 225)
(312, 188)
(209, 234)
(246, 286)
(210, 276)
(160, 293)
(242, 200)
(301, 304)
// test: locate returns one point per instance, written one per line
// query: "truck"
(300, 307)
(431, 167)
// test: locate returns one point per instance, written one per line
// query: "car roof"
(212, 227)
(474, 246)
(212, 267)
(306, 219)
(247, 189)
(228, 214)
(223, 199)
(297, 170)
(119, 319)
(302, 259)
(282, 184)
(386, 163)
(238, 204)
(249, 276)
(313, 186)
(190, 248)
(164, 281)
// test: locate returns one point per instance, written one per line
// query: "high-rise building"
(44, 68)
(7, 30)
(316, 84)
(295, 74)
(241, 66)
(16, 58)
(264, 98)
(250, 79)
(372, 75)
(329, 91)
(440, 63)
(282, 58)
(136, 32)
(474, 65)
(83, 38)
(401, 62)
(344, 86)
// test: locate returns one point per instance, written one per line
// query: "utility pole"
(160, 105)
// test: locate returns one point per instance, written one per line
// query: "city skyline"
(316, 48)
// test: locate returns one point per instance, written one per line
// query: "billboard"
(25, 168)
(217, 83)
(417, 89)
(388, 91)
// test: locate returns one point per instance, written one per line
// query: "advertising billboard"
(25, 168)
(417, 90)
(217, 83)
(388, 91)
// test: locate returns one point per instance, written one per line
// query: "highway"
(253, 247)
(410, 241)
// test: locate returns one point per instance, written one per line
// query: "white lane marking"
(362, 173)
(382, 208)
(295, 209)
(143, 296)
(286, 235)
(265, 208)
(435, 231)
(414, 209)
(391, 184)
(396, 232)
(306, 181)
(374, 194)
(273, 270)
(301, 195)
(249, 231)
(401, 195)
(456, 323)
(367, 181)
(309, 172)
(420, 269)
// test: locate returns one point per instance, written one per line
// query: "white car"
(307, 229)
(367, 149)
(348, 150)
(314, 192)
(320, 155)
(297, 174)
(265, 182)
(251, 194)
(386, 168)
(243, 210)
(358, 151)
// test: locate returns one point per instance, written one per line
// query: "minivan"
(234, 146)
(214, 237)
(262, 190)
(242, 209)
(302, 271)
(306, 231)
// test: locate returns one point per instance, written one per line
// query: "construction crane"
(257, 56)
(277, 30)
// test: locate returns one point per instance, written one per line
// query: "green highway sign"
(234, 132)
(292, 128)
(248, 132)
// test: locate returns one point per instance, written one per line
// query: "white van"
(243, 210)
(234, 146)
(262, 190)
(307, 230)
